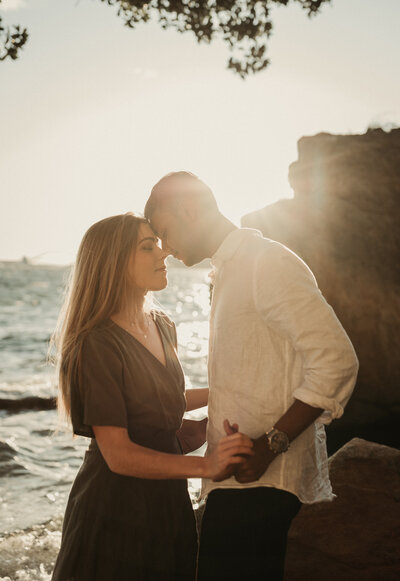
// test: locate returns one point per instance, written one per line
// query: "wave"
(29, 554)
(7, 452)
(8, 462)
(17, 339)
(28, 403)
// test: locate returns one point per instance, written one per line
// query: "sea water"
(39, 458)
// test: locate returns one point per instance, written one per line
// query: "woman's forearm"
(126, 458)
(192, 434)
(146, 463)
(196, 398)
(129, 459)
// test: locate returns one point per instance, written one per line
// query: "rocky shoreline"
(344, 223)
(356, 536)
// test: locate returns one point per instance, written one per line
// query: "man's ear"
(188, 209)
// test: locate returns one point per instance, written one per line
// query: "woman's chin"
(159, 285)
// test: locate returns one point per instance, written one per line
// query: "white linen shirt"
(273, 339)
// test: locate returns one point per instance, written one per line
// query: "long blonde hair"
(98, 287)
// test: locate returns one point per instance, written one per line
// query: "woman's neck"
(132, 312)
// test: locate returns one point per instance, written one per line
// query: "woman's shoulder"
(162, 317)
(102, 337)
(166, 324)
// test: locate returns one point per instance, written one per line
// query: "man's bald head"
(175, 188)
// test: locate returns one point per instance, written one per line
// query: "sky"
(92, 113)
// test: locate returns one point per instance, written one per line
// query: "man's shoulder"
(267, 247)
(269, 255)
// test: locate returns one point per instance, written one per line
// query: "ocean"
(39, 458)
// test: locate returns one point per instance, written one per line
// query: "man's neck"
(218, 231)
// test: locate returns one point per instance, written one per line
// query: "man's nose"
(165, 249)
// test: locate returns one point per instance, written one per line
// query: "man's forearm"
(293, 422)
(297, 418)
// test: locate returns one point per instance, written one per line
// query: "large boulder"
(344, 222)
(356, 537)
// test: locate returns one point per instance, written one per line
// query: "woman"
(129, 516)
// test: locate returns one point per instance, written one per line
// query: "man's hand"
(255, 466)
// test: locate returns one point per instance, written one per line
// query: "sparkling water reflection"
(38, 458)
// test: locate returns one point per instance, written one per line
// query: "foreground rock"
(344, 222)
(357, 536)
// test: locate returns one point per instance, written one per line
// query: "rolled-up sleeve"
(288, 299)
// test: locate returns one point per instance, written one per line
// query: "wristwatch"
(278, 442)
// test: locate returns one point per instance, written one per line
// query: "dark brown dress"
(119, 527)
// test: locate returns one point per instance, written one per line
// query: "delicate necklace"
(132, 326)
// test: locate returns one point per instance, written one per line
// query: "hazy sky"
(92, 114)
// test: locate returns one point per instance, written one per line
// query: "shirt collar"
(231, 244)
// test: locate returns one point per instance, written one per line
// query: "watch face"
(279, 442)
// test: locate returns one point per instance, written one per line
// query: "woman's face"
(146, 267)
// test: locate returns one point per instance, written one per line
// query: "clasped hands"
(255, 465)
(254, 461)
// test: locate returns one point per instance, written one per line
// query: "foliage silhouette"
(244, 25)
(11, 40)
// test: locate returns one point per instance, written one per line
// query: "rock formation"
(355, 537)
(344, 222)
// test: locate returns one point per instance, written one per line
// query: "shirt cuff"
(332, 408)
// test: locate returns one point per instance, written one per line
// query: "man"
(280, 366)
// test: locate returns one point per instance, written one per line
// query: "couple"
(280, 366)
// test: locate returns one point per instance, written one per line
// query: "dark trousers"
(244, 534)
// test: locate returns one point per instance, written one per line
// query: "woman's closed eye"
(150, 245)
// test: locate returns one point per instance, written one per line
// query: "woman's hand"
(192, 434)
(231, 452)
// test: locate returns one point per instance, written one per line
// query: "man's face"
(179, 235)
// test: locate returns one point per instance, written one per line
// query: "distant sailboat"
(31, 260)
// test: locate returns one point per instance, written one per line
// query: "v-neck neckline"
(163, 343)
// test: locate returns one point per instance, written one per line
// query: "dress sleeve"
(169, 327)
(98, 399)
(287, 297)
(174, 336)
